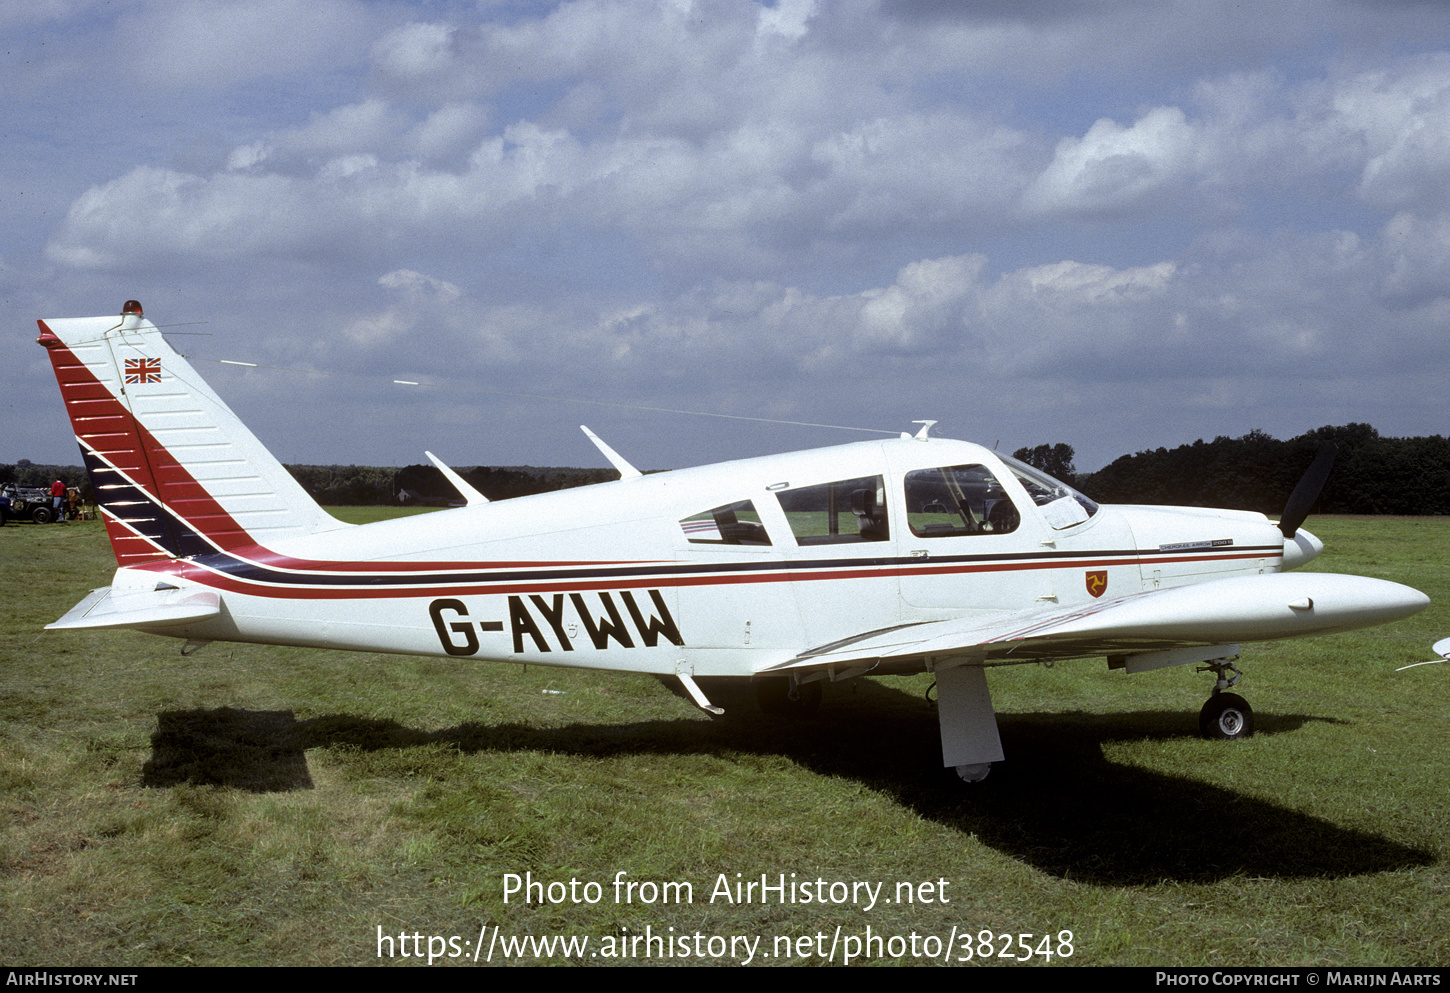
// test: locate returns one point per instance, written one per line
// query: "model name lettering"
(1182, 546)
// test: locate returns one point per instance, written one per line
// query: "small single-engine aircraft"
(883, 557)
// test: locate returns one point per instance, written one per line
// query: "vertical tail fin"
(174, 471)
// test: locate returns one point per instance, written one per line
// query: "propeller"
(1307, 490)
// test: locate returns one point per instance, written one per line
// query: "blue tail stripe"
(127, 502)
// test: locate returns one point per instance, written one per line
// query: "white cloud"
(787, 19)
(912, 168)
(1416, 256)
(416, 51)
(842, 200)
(1095, 284)
(1404, 119)
(368, 126)
(925, 302)
(150, 212)
(1114, 167)
(417, 286)
(451, 130)
(419, 300)
(247, 156)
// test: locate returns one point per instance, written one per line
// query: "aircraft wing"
(1222, 612)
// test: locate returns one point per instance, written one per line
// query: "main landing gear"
(783, 696)
(1226, 716)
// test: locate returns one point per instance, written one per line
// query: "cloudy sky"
(1117, 224)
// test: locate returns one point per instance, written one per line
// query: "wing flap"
(107, 608)
(1220, 612)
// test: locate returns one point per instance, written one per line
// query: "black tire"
(40, 515)
(773, 695)
(973, 774)
(1226, 717)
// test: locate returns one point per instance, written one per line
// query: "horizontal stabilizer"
(106, 608)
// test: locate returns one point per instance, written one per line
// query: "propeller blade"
(1307, 491)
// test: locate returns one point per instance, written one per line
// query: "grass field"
(253, 805)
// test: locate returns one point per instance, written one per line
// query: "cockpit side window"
(958, 500)
(1062, 506)
(733, 524)
(847, 510)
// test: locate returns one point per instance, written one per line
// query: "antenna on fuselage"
(615, 459)
(470, 495)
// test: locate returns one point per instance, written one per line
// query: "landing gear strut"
(1226, 716)
(783, 696)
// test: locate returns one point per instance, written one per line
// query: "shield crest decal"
(1097, 582)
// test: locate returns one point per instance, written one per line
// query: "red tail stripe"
(103, 424)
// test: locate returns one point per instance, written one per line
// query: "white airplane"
(885, 557)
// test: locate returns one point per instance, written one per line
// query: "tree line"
(362, 485)
(1372, 474)
(425, 485)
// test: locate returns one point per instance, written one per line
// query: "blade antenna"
(471, 496)
(626, 470)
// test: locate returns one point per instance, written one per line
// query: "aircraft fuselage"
(639, 575)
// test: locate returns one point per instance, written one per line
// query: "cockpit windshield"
(1062, 506)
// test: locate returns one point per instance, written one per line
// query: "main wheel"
(1226, 717)
(40, 515)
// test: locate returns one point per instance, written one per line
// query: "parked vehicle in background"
(30, 503)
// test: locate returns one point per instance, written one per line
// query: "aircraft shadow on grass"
(1059, 804)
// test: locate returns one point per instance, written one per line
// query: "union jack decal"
(143, 370)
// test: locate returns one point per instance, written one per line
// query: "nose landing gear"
(1226, 716)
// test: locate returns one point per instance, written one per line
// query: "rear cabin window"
(848, 510)
(958, 500)
(732, 524)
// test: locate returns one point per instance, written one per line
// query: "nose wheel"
(1226, 716)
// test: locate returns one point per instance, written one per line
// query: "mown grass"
(249, 805)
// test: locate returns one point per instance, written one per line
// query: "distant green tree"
(1055, 460)
(27, 473)
(345, 485)
(1372, 475)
